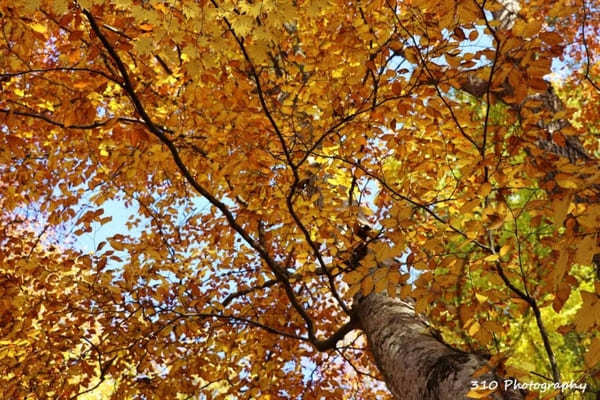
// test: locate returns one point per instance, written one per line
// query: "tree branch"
(93, 125)
(160, 134)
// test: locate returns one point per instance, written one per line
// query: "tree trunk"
(415, 364)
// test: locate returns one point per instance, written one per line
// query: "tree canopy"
(281, 160)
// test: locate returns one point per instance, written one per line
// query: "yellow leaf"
(469, 206)
(316, 6)
(353, 290)
(144, 44)
(337, 73)
(560, 208)
(367, 285)
(481, 298)
(492, 326)
(473, 329)
(411, 55)
(60, 6)
(505, 249)
(393, 277)
(115, 244)
(352, 277)
(479, 394)
(243, 24)
(491, 258)
(380, 274)
(560, 268)
(391, 290)
(552, 38)
(30, 6)
(592, 357)
(527, 28)
(422, 304)
(586, 249)
(259, 51)
(566, 181)
(589, 313)
(589, 220)
(380, 285)
(39, 28)
(486, 188)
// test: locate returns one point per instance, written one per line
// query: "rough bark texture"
(416, 365)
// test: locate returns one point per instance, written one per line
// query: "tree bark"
(415, 364)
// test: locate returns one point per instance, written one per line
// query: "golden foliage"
(280, 158)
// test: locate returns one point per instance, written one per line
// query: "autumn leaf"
(257, 199)
(479, 394)
(592, 357)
